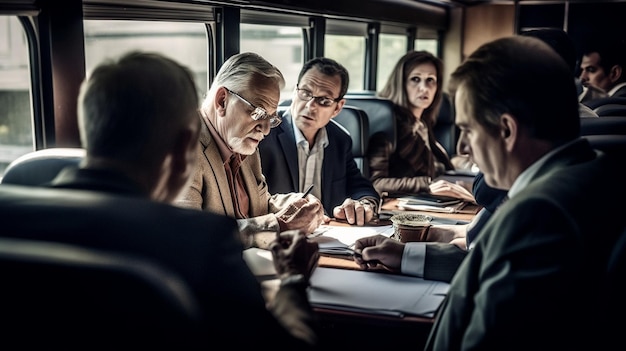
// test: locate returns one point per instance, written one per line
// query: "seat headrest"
(41, 166)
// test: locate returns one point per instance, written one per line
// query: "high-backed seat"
(41, 166)
(593, 104)
(446, 132)
(610, 110)
(614, 306)
(355, 121)
(603, 125)
(608, 106)
(609, 143)
(379, 113)
(67, 297)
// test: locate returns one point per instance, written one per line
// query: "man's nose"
(265, 126)
(461, 146)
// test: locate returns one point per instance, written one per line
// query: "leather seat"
(610, 110)
(379, 113)
(610, 143)
(446, 132)
(40, 167)
(63, 296)
(613, 307)
(608, 106)
(603, 125)
(593, 104)
(355, 121)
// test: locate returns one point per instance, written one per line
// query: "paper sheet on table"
(260, 261)
(332, 239)
(378, 293)
(405, 206)
(348, 235)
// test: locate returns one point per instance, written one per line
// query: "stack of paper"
(338, 240)
(376, 293)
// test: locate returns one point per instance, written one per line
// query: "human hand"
(354, 211)
(294, 254)
(460, 242)
(444, 233)
(302, 214)
(379, 249)
(445, 188)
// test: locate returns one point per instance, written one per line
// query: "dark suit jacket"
(621, 92)
(532, 282)
(442, 260)
(341, 178)
(202, 247)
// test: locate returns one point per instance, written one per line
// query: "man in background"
(236, 115)
(308, 148)
(541, 245)
(603, 69)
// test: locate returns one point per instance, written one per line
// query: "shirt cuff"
(295, 279)
(413, 259)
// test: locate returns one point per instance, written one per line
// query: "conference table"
(346, 328)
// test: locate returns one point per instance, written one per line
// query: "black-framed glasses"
(307, 95)
(258, 113)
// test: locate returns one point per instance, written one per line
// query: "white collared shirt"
(310, 159)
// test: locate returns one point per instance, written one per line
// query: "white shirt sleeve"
(413, 259)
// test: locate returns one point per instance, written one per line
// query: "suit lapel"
(217, 167)
(287, 142)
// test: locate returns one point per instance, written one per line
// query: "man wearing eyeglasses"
(308, 149)
(237, 114)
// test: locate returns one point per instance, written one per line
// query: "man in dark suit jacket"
(603, 69)
(120, 200)
(542, 249)
(436, 259)
(308, 148)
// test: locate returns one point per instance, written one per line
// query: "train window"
(430, 45)
(184, 42)
(280, 45)
(390, 48)
(349, 50)
(16, 122)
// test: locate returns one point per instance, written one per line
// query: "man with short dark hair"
(308, 148)
(541, 249)
(603, 69)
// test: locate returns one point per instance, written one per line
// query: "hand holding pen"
(305, 213)
(307, 191)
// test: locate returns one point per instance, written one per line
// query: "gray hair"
(240, 70)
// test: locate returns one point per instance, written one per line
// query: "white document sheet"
(260, 261)
(332, 239)
(378, 293)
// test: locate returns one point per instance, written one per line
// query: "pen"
(307, 191)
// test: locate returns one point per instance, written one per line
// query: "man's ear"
(338, 107)
(508, 130)
(219, 103)
(616, 73)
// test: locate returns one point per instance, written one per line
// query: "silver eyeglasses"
(307, 95)
(258, 113)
